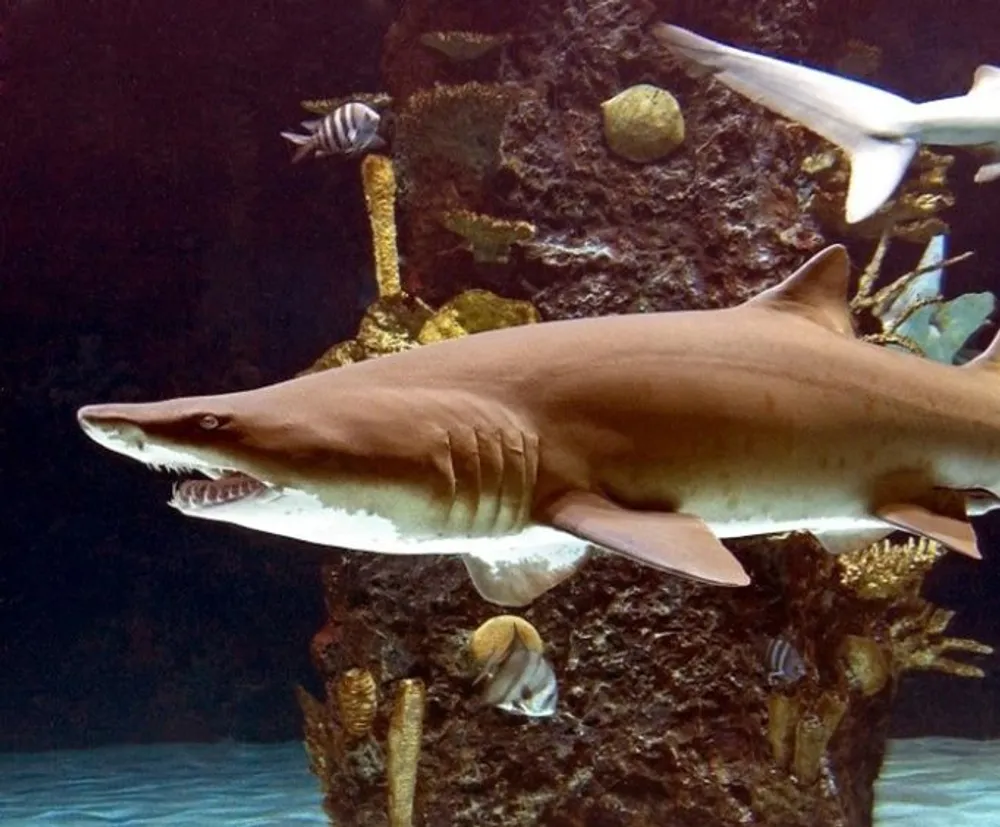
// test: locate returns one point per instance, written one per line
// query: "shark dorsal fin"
(986, 80)
(989, 359)
(816, 291)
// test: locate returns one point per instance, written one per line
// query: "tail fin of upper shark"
(869, 124)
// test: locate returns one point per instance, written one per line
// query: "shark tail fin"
(870, 124)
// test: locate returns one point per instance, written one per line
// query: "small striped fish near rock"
(520, 680)
(783, 661)
(349, 130)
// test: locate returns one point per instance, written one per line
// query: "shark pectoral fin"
(956, 534)
(517, 576)
(844, 542)
(677, 543)
(816, 291)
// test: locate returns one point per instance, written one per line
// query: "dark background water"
(155, 241)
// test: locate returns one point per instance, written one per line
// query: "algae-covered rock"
(474, 311)
(643, 123)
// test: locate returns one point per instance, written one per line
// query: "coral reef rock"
(519, 134)
(643, 123)
(666, 714)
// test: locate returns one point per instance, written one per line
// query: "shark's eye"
(209, 422)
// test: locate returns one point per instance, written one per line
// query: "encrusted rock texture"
(666, 713)
(702, 228)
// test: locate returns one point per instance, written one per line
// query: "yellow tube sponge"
(405, 732)
(380, 199)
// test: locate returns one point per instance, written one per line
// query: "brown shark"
(649, 435)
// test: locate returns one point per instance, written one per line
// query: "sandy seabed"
(926, 782)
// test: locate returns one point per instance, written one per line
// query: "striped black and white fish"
(520, 680)
(783, 661)
(349, 130)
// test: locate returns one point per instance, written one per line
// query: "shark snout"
(112, 428)
(93, 416)
(104, 415)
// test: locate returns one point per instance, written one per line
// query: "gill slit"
(452, 477)
(498, 457)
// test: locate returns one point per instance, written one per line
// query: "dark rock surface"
(663, 709)
(700, 229)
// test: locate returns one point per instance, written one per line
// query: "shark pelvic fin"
(816, 291)
(956, 534)
(677, 543)
(986, 79)
(517, 577)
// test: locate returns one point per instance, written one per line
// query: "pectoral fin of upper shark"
(681, 544)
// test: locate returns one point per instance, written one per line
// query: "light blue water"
(181, 785)
(927, 782)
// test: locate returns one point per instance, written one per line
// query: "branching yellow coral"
(405, 732)
(918, 642)
(380, 199)
(894, 573)
(488, 238)
(463, 45)
(886, 571)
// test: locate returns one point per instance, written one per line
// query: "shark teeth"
(170, 468)
(228, 488)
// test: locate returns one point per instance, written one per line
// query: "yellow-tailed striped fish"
(520, 680)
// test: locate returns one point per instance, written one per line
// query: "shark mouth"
(224, 488)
